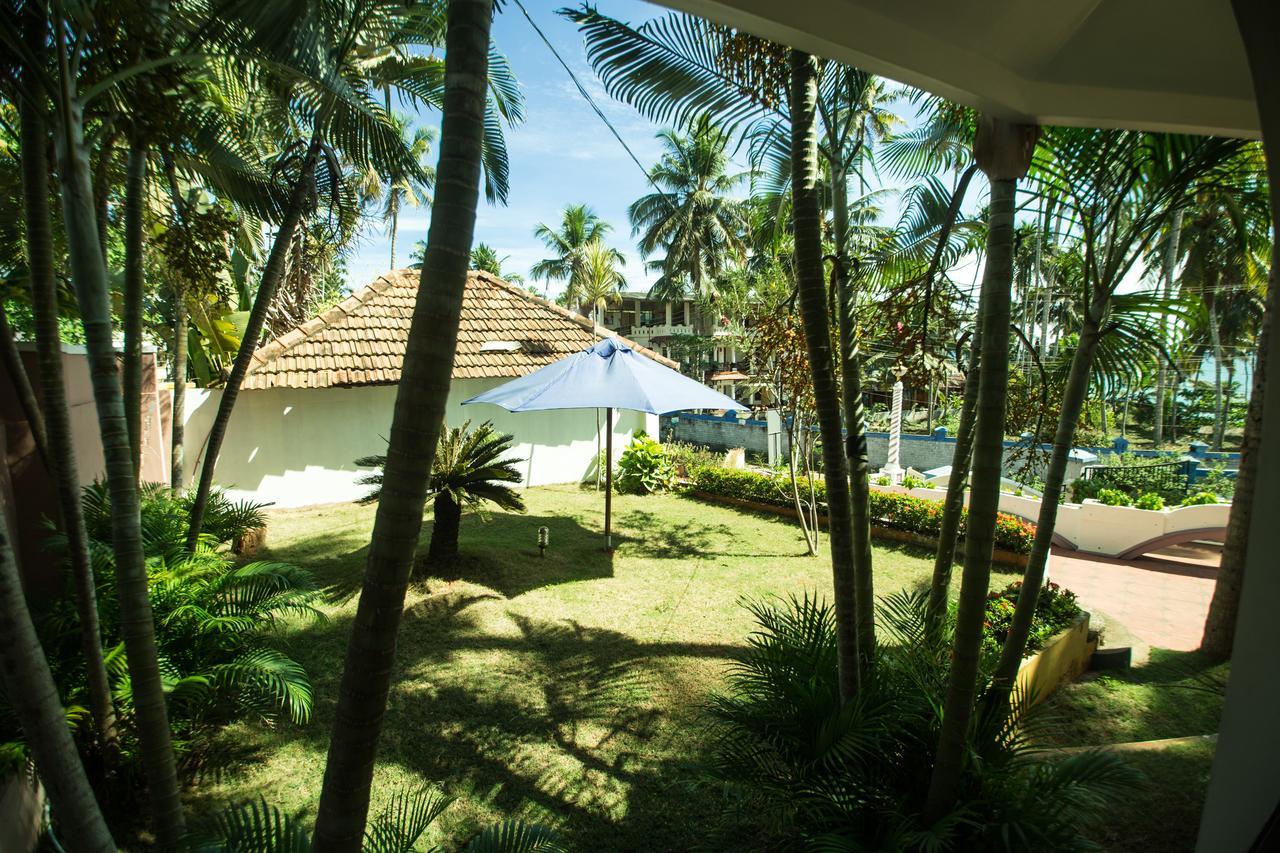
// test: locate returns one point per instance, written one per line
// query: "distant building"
(705, 344)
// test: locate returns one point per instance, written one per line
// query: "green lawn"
(564, 690)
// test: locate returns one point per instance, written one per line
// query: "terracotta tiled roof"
(362, 340)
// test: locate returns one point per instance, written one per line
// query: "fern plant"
(258, 827)
(472, 467)
(824, 775)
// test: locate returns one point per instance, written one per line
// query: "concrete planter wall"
(1062, 659)
(1111, 531)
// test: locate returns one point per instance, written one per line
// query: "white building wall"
(295, 447)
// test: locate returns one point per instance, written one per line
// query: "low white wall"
(296, 447)
(1110, 531)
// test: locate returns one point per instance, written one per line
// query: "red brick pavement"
(1161, 599)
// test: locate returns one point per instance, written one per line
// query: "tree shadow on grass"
(585, 728)
(650, 534)
(498, 550)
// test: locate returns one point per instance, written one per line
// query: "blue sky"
(561, 154)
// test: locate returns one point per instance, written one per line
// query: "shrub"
(810, 772)
(1082, 490)
(691, 456)
(1149, 501)
(644, 467)
(909, 482)
(884, 480)
(1114, 497)
(888, 509)
(1199, 499)
(1056, 610)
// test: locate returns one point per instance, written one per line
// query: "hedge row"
(888, 509)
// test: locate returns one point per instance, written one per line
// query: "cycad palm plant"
(472, 467)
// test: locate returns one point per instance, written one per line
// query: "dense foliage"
(889, 509)
(644, 466)
(1056, 610)
(216, 622)
(812, 773)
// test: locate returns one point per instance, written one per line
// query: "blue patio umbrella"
(609, 375)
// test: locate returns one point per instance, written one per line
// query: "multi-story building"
(669, 326)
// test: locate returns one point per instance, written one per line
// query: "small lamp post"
(543, 536)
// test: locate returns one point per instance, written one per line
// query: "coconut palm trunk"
(953, 503)
(272, 273)
(178, 415)
(1003, 152)
(135, 191)
(415, 431)
(21, 382)
(30, 689)
(89, 274)
(1073, 399)
(62, 455)
(1220, 623)
(811, 288)
(1215, 341)
(1168, 264)
(395, 217)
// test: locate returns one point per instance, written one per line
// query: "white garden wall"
(1112, 531)
(295, 447)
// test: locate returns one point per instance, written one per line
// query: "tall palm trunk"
(415, 430)
(135, 191)
(29, 685)
(1168, 263)
(395, 216)
(178, 415)
(1003, 152)
(89, 273)
(1215, 341)
(953, 503)
(271, 276)
(21, 382)
(62, 456)
(1073, 397)
(855, 425)
(813, 312)
(1220, 623)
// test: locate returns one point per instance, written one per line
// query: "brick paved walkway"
(1161, 599)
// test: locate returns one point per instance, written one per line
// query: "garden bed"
(998, 555)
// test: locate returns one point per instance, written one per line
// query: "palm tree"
(813, 311)
(690, 220)
(346, 114)
(579, 226)
(57, 417)
(1120, 189)
(405, 188)
(30, 688)
(1003, 151)
(471, 468)
(415, 429)
(602, 282)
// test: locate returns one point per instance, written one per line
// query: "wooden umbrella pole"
(608, 477)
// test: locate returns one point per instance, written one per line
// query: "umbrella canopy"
(609, 375)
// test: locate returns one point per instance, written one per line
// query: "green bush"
(1149, 501)
(1082, 490)
(1114, 497)
(884, 480)
(644, 467)
(895, 511)
(691, 456)
(1056, 610)
(1200, 498)
(912, 483)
